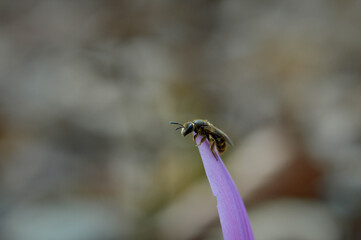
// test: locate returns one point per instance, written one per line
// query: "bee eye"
(188, 128)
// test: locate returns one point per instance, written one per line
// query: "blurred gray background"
(87, 89)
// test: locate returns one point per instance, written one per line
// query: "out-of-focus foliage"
(87, 89)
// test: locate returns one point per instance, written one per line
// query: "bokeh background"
(87, 89)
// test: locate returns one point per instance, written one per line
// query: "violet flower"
(231, 210)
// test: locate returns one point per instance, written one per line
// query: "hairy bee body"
(216, 137)
(220, 144)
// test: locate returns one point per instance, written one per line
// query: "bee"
(216, 137)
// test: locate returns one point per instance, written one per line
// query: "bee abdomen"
(221, 146)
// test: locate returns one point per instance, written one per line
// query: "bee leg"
(213, 146)
(195, 136)
(202, 141)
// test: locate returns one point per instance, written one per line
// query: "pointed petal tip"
(232, 212)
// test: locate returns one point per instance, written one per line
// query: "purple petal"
(231, 210)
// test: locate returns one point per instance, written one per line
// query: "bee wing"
(221, 133)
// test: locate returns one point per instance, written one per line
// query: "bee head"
(187, 129)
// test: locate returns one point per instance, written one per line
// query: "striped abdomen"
(220, 144)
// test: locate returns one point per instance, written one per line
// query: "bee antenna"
(176, 123)
(179, 128)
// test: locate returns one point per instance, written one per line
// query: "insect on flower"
(216, 137)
